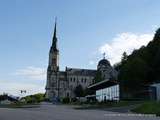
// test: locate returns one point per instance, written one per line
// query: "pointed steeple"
(54, 36)
(54, 40)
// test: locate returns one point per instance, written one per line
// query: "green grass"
(150, 107)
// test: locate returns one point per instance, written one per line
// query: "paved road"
(61, 112)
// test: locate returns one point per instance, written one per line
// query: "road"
(62, 112)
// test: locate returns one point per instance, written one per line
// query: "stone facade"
(62, 83)
(107, 71)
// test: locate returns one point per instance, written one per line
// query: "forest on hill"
(140, 69)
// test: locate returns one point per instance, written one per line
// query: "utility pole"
(21, 93)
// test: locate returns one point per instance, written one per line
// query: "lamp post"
(21, 93)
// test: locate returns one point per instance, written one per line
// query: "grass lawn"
(150, 107)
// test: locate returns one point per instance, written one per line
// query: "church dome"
(104, 62)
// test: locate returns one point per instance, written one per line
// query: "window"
(67, 94)
(71, 79)
(82, 80)
(110, 93)
(85, 80)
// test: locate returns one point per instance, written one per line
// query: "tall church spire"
(54, 40)
(54, 36)
(54, 52)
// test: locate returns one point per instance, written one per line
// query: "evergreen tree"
(98, 77)
(78, 91)
(139, 69)
(124, 57)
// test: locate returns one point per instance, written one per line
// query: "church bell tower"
(52, 86)
(54, 53)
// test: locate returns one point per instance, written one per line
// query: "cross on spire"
(104, 54)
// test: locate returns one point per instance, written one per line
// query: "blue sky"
(85, 29)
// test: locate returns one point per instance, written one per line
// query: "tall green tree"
(140, 69)
(133, 76)
(78, 91)
(98, 77)
(124, 57)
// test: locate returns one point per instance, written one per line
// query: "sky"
(85, 30)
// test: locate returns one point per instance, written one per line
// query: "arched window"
(82, 80)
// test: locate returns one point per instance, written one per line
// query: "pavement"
(63, 112)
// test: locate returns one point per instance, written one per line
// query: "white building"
(106, 90)
(155, 91)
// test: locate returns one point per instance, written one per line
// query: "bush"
(66, 100)
(74, 99)
(36, 98)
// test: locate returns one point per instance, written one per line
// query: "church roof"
(83, 72)
(62, 73)
(104, 62)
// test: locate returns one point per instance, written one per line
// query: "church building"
(61, 84)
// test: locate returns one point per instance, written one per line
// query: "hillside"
(140, 69)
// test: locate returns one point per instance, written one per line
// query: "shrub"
(66, 100)
(73, 99)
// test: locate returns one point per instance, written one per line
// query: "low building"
(155, 91)
(106, 90)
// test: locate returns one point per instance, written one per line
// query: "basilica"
(61, 84)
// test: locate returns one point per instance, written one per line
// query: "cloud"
(31, 72)
(14, 88)
(124, 42)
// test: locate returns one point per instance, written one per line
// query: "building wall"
(158, 92)
(157, 87)
(75, 80)
(63, 85)
(109, 93)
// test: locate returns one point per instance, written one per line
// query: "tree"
(139, 69)
(124, 57)
(98, 77)
(88, 91)
(133, 77)
(117, 66)
(36, 98)
(78, 91)
(156, 67)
